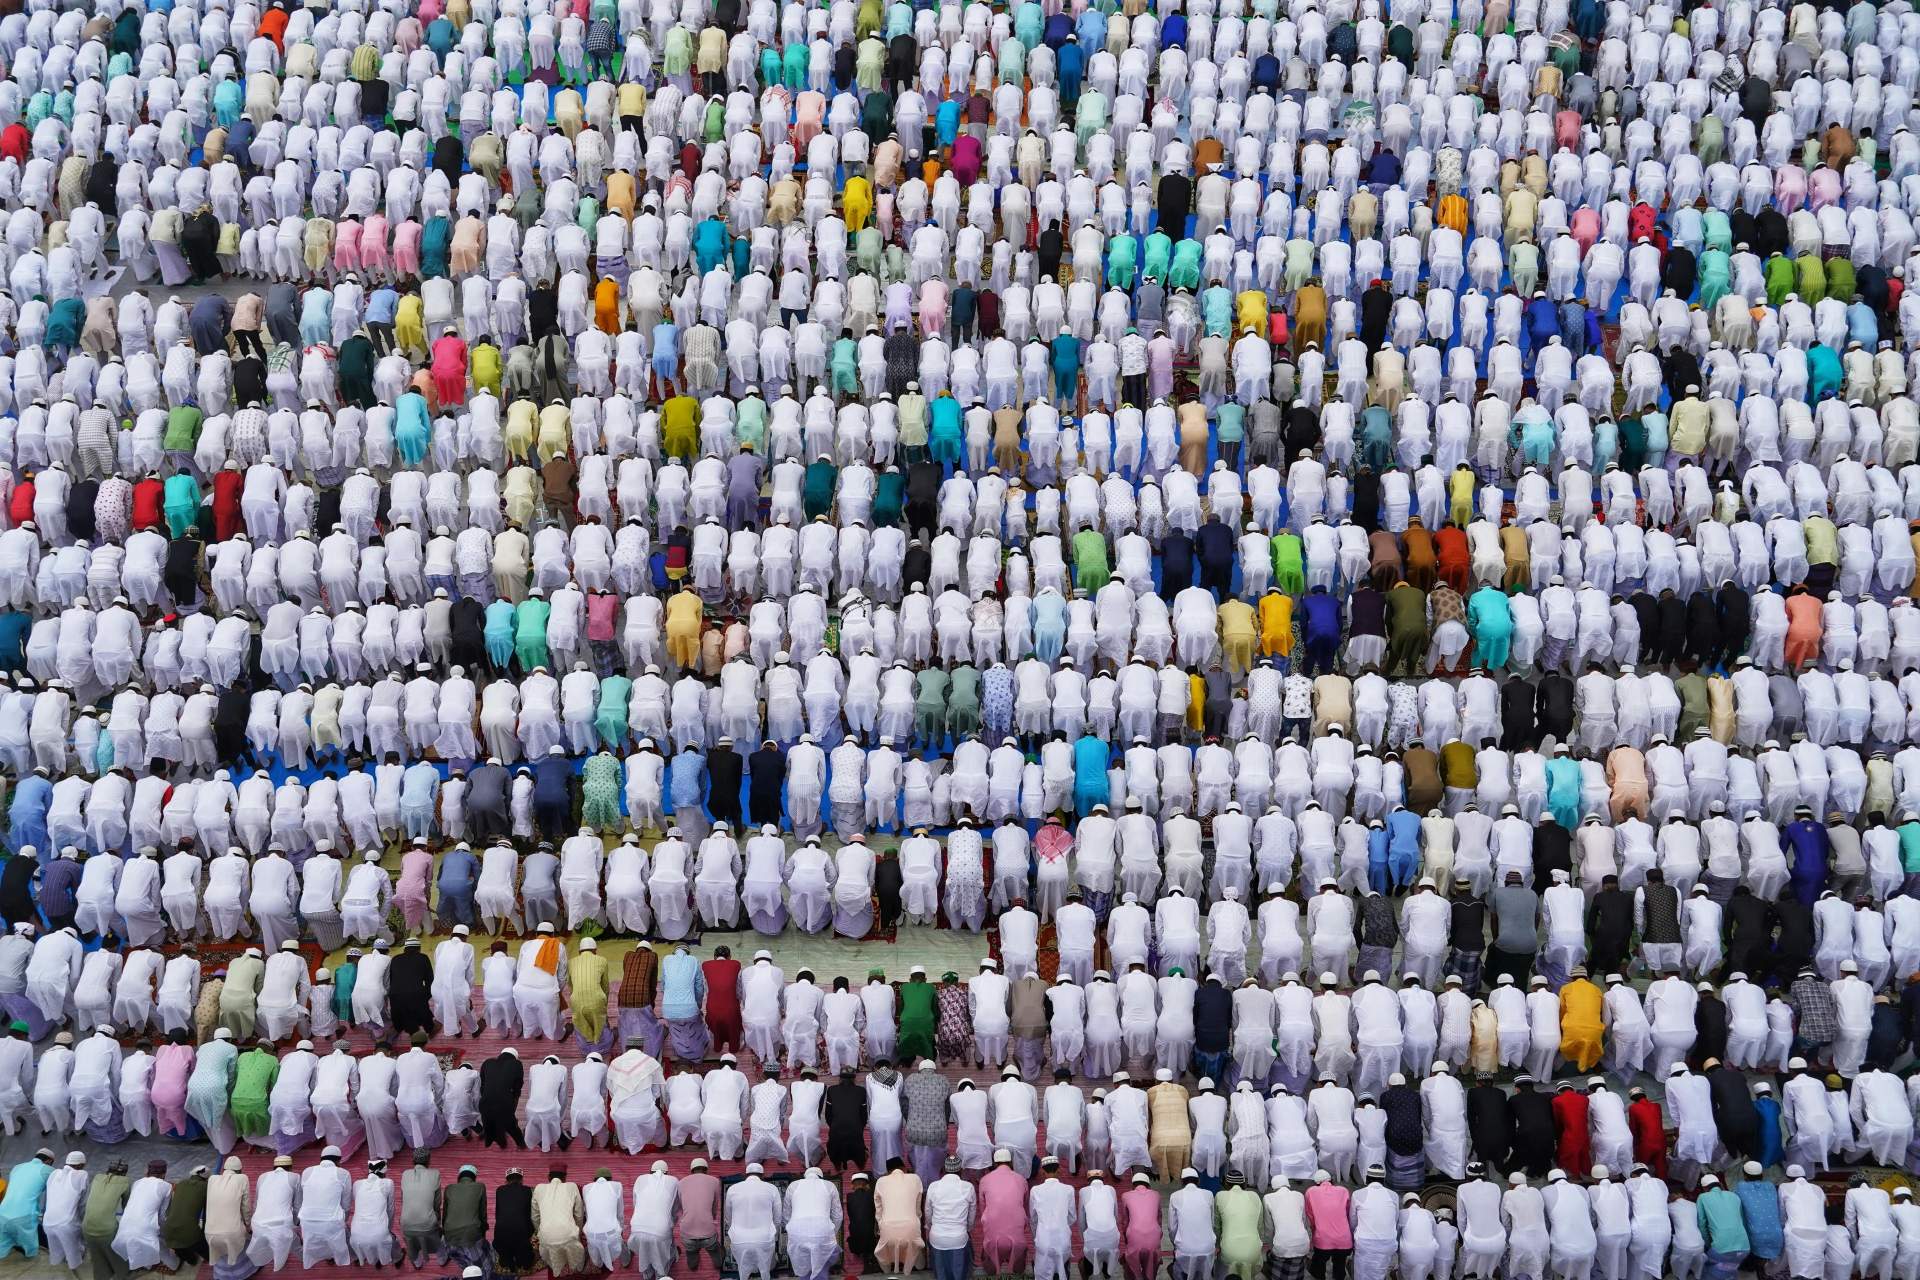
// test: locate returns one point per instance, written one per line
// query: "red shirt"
(14, 142)
(1455, 556)
(723, 991)
(20, 504)
(1649, 1135)
(148, 496)
(1576, 1143)
(226, 503)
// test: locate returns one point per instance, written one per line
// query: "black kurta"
(767, 774)
(1733, 1111)
(513, 1223)
(1610, 925)
(846, 1116)
(863, 1227)
(1535, 1135)
(501, 1078)
(887, 883)
(1490, 1124)
(724, 771)
(16, 890)
(410, 991)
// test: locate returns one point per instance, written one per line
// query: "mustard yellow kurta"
(1583, 1028)
(1276, 625)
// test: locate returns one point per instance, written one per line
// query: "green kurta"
(530, 633)
(106, 1196)
(1090, 572)
(600, 790)
(963, 701)
(182, 1229)
(1289, 564)
(1237, 1212)
(610, 714)
(253, 1079)
(917, 1001)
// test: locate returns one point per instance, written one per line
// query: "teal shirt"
(530, 620)
(610, 716)
(228, 100)
(499, 624)
(1721, 1223)
(26, 1189)
(344, 976)
(1231, 425)
(1910, 847)
(1216, 311)
(944, 420)
(182, 494)
(1029, 23)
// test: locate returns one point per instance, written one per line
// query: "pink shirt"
(172, 1064)
(1823, 189)
(406, 247)
(602, 612)
(1003, 1208)
(373, 242)
(1140, 1209)
(699, 1207)
(415, 866)
(933, 306)
(1327, 1216)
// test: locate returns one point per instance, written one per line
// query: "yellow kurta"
(1583, 1027)
(1276, 624)
(588, 999)
(1238, 634)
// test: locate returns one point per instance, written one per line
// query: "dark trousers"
(705, 1244)
(953, 1264)
(496, 1129)
(1517, 963)
(1330, 1264)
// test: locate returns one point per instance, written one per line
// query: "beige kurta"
(558, 1214)
(229, 1204)
(896, 1205)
